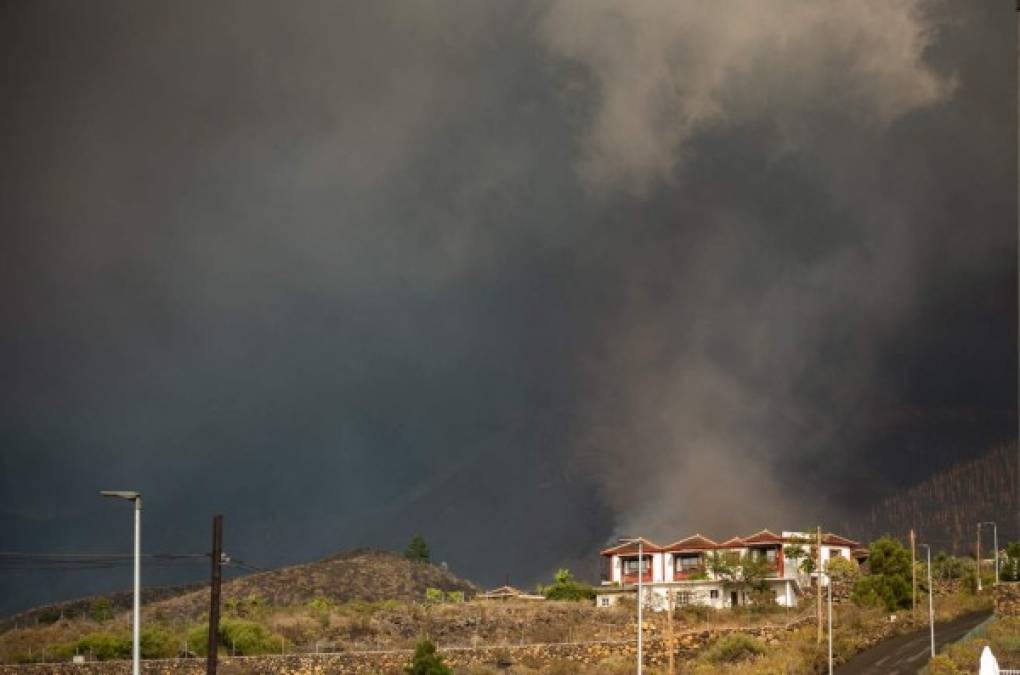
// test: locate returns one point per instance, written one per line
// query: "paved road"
(907, 654)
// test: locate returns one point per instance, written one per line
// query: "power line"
(24, 561)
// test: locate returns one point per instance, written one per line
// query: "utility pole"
(977, 557)
(669, 628)
(818, 581)
(931, 605)
(640, 573)
(913, 569)
(995, 543)
(640, 602)
(995, 546)
(214, 593)
(829, 585)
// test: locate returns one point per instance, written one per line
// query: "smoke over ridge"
(725, 384)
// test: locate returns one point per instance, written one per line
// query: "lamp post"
(640, 573)
(931, 607)
(995, 545)
(136, 614)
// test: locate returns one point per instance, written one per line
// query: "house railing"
(690, 573)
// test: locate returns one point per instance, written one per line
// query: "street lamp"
(995, 545)
(136, 619)
(931, 607)
(640, 573)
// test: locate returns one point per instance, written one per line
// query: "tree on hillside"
(746, 572)
(795, 552)
(888, 584)
(1010, 567)
(843, 572)
(417, 550)
(426, 661)
(566, 587)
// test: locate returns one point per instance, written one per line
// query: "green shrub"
(455, 596)
(426, 661)
(50, 615)
(942, 665)
(321, 604)
(101, 609)
(245, 638)
(566, 587)
(433, 596)
(889, 583)
(157, 643)
(879, 590)
(104, 646)
(733, 647)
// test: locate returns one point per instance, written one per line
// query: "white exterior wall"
(615, 570)
(657, 567)
(656, 594)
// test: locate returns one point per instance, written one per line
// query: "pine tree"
(417, 550)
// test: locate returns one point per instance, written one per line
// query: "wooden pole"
(669, 631)
(913, 574)
(214, 594)
(818, 581)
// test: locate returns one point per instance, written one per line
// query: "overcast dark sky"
(520, 276)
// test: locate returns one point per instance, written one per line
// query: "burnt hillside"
(945, 508)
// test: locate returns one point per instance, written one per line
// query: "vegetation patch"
(733, 647)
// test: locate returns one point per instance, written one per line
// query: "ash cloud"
(745, 349)
(516, 276)
(666, 72)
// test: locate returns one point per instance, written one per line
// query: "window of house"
(688, 563)
(605, 601)
(714, 594)
(683, 598)
(835, 553)
(630, 565)
(770, 555)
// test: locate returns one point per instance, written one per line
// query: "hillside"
(361, 575)
(79, 607)
(945, 508)
(358, 575)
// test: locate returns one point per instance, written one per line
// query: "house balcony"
(690, 574)
(646, 578)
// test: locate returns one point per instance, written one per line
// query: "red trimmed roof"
(629, 547)
(732, 542)
(695, 542)
(831, 539)
(699, 542)
(763, 537)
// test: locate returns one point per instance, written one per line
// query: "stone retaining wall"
(362, 663)
(1007, 599)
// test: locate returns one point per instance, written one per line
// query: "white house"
(683, 568)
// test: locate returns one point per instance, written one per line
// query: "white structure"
(989, 664)
(685, 568)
